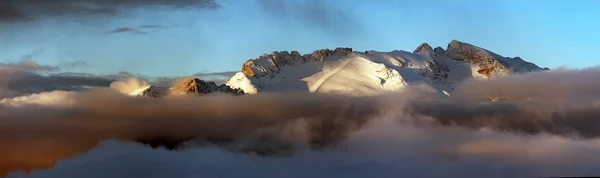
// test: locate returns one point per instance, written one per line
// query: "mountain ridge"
(440, 68)
(187, 86)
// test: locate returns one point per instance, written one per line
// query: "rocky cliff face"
(189, 86)
(270, 63)
(439, 51)
(425, 50)
(197, 86)
(490, 64)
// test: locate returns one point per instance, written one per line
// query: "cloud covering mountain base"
(542, 127)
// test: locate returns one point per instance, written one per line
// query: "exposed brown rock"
(186, 86)
(423, 47)
(485, 71)
(246, 69)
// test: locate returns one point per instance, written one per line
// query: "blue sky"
(550, 33)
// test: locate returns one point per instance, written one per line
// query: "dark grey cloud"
(10, 13)
(134, 30)
(75, 74)
(322, 15)
(125, 30)
(16, 82)
(122, 75)
(31, 66)
(19, 10)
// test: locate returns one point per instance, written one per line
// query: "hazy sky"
(159, 38)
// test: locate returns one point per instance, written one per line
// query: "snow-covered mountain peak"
(356, 73)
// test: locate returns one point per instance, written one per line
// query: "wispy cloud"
(20, 10)
(135, 30)
(151, 26)
(30, 65)
(124, 30)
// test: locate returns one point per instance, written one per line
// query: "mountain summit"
(362, 73)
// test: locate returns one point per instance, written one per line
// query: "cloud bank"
(551, 132)
(87, 118)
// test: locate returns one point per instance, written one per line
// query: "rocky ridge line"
(272, 62)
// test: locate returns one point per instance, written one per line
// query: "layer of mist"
(543, 125)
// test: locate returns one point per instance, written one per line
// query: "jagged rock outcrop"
(322, 54)
(436, 71)
(425, 50)
(270, 63)
(197, 86)
(439, 51)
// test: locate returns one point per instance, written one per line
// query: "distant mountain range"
(361, 73)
